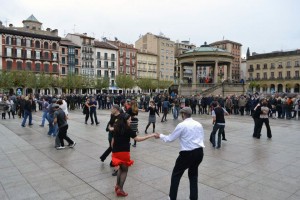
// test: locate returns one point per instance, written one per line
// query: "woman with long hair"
(121, 150)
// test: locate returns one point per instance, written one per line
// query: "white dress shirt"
(190, 134)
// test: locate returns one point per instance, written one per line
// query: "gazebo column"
(194, 75)
(229, 72)
(216, 72)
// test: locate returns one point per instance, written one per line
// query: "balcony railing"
(297, 65)
(250, 70)
(296, 77)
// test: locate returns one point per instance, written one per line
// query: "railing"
(250, 70)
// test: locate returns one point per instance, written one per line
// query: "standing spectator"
(93, 110)
(242, 103)
(165, 108)
(45, 105)
(28, 107)
(191, 136)
(86, 110)
(256, 116)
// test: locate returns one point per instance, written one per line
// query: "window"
(265, 66)
(127, 62)
(112, 65)
(46, 45)
(63, 51)
(272, 74)
(55, 68)
(76, 62)
(105, 64)
(112, 74)
(19, 53)
(54, 56)
(258, 66)
(18, 41)
(8, 52)
(296, 63)
(38, 55)
(257, 75)
(98, 63)
(105, 73)
(37, 44)
(63, 70)
(28, 66)
(46, 55)
(8, 40)
(63, 60)
(288, 64)
(280, 65)
(279, 74)
(28, 54)
(98, 55)
(28, 43)
(288, 74)
(98, 73)
(272, 65)
(19, 65)
(46, 67)
(37, 67)
(105, 56)
(297, 74)
(76, 71)
(112, 56)
(9, 65)
(112, 83)
(265, 75)
(54, 46)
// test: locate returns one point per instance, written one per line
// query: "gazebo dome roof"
(205, 48)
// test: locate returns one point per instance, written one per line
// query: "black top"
(122, 141)
(61, 118)
(152, 111)
(219, 115)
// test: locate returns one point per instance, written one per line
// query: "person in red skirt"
(121, 149)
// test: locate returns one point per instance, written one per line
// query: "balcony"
(280, 67)
(296, 77)
(297, 65)
(280, 78)
(272, 67)
(272, 78)
(250, 70)
(289, 66)
(288, 77)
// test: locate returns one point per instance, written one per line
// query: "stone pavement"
(244, 168)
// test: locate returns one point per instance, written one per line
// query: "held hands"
(156, 135)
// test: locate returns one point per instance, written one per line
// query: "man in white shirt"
(191, 136)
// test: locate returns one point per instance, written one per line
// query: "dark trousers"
(87, 115)
(266, 122)
(256, 132)
(213, 134)
(93, 113)
(186, 160)
(164, 115)
(62, 134)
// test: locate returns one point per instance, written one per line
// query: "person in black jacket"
(28, 107)
(256, 114)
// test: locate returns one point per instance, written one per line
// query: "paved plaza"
(244, 168)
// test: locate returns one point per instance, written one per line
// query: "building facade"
(70, 58)
(127, 58)
(164, 48)
(274, 72)
(86, 44)
(106, 59)
(29, 48)
(146, 65)
(235, 49)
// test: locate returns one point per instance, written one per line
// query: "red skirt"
(119, 158)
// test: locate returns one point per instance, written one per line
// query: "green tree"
(6, 80)
(43, 81)
(124, 82)
(164, 84)
(102, 83)
(145, 84)
(253, 84)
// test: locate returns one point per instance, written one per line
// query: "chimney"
(84, 34)
(48, 29)
(55, 32)
(11, 25)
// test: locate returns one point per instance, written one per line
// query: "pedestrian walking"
(191, 136)
(152, 117)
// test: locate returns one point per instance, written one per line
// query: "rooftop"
(105, 45)
(205, 48)
(225, 42)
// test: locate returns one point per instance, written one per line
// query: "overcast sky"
(261, 25)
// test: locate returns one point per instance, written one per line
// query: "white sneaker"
(60, 148)
(72, 145)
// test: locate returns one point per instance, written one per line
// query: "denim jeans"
(44, 117)
(175, 112)
(27, 114)
(52, 128)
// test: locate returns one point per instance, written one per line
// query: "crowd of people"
(123, 123)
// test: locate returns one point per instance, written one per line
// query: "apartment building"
(146, 65)
(276, 71)
(164, 48)
(235, 49)
(29, 47)
(127, 58)
(70, 57)
(86, 44)
(106, 59)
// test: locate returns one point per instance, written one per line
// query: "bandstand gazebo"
(203, 68)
